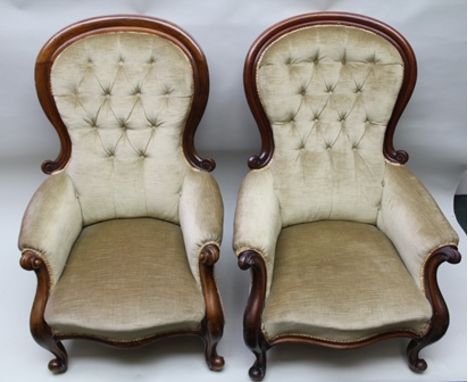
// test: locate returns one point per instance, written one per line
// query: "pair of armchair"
(342, 240)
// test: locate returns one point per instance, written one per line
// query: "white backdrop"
(432, 130)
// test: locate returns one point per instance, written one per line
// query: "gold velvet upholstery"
(52, 222)
(124, 98)
(121, 227)
(412, 220)
(328, 92)
(341, 281)
(126, 279)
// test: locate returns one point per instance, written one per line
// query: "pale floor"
(181, 359)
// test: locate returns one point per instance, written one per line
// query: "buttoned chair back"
(122, 100)
(327, 96)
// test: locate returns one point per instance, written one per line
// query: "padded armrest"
(412, 220)
(201, 215)
(52, 222)
(257, 223)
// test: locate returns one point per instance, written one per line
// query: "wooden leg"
(213, 323)
(214, 361)
(253, 335)
(258, 370)
(41, 332)
(440, 316)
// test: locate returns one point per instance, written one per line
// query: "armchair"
(124, 233)
(342, 240)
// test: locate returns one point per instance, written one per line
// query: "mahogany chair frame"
(212, 326)
(251, 259)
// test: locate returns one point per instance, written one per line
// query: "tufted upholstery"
(329, 92)
(124, 98)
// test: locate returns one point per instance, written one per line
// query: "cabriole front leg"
(41, 332)
(440, 315)
(213, 323)
(253, 335)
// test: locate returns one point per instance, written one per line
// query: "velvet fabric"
(124, 98)
(51, 223)
(257, 221)
(341, 281)
(412, 220)
(201, 215)
(329, 92)
(126, 279)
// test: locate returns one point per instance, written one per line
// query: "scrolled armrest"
(412, 220)
(51, 223)
(201, 216)
(257, 222)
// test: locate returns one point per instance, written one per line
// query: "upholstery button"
(328, 147)
(354, 147)
(316, 58)
(301, 146)
(372, 59)
(344, 59)
(329, 89)
(342, 117)
(315, 117)
(151, 60)
(302, 90)
(358, 89)
(92, 122)
(383, 183)
(153, 122)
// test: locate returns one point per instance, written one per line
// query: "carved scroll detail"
(40, 330)
(440, 315)
(253, 335)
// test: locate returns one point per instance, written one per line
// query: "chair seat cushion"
(125, 280)
(343, 282)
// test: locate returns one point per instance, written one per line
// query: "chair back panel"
(124, 98)
(328, 92)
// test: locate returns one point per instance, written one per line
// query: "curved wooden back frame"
(72, 33)
(326, 18)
